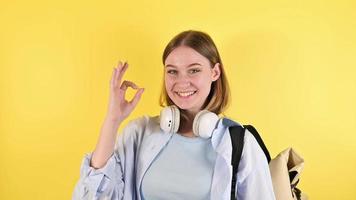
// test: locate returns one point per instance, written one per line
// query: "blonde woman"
(185, 152)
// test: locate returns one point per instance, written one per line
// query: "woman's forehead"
(185, 57)
(186, 66)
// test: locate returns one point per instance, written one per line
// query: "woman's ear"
(215, 72)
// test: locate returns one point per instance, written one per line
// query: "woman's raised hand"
(119, 108)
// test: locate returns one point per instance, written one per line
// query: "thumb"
(137, 96)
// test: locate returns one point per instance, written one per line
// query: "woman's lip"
(185, 90)
(194, 92)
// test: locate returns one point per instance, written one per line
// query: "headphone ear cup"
(169, 119)
(204, 123)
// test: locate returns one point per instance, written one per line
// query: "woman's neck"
(186, 125)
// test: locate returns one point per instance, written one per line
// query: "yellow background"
(291, 66)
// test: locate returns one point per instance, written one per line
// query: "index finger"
(121, 72)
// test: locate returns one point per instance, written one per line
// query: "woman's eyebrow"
(192, 64)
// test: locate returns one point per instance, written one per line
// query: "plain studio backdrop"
(291, 67)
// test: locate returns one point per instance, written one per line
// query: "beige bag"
(285, 170)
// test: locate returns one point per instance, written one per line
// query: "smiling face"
(188, 78)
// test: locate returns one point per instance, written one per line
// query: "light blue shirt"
(141, 141)
(182, 170)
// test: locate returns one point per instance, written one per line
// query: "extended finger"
(126, 84)
(118, 69)
(113, 77)
(122, 72)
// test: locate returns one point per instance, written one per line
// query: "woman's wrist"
(113, 119)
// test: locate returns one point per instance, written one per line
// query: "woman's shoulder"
(251, 146)
(142, 125)
(228, 122)
(144, 121)
(136, 129)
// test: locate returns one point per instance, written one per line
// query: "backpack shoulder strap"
(259, 140)
(237, 134)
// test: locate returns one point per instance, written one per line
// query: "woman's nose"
(182, 79)
(182, 85)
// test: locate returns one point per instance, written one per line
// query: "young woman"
(185, 153)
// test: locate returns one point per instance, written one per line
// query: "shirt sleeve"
(253, 178)
(105, 182)
(114, 181)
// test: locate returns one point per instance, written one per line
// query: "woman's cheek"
(169, 85)
(198, 81)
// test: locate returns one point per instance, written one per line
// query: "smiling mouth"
(186, 94)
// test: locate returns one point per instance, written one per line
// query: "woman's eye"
(171, 71)
(193, 71)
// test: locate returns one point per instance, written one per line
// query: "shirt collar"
(228, 122)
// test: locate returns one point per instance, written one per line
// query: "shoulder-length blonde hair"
(219, 96)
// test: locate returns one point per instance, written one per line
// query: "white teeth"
(185, 94)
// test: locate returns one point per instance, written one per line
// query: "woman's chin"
(187, 108)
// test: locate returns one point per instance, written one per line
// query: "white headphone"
(203, 125)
